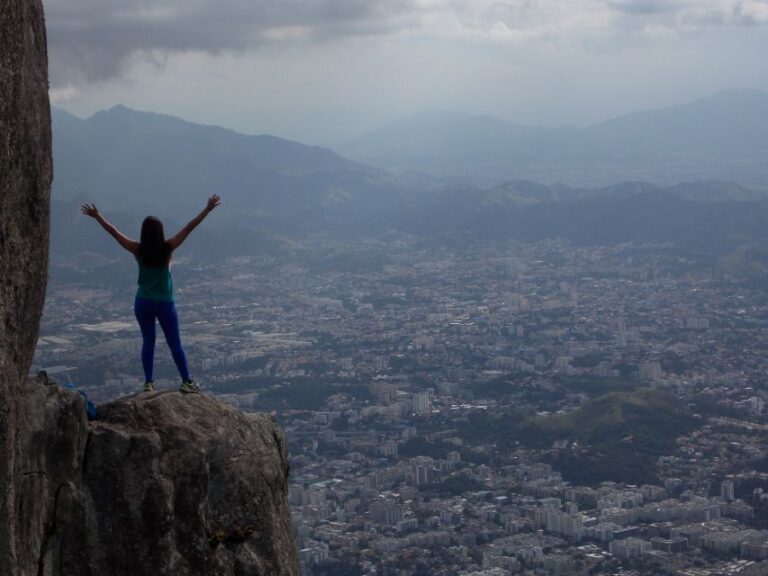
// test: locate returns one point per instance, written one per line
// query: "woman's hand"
(90, 210)
(182, 234)
(213, 202)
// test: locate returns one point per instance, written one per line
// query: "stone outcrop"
(25, 180)
(161, 483)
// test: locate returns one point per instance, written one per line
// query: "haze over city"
(325, 72)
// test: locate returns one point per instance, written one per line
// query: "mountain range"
(723, 136)
(132, 163)
(130, 159)
(709, 215)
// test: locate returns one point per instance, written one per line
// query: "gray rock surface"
(53, 436)
(25, 180)
(162, 483)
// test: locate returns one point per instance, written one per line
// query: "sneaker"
(189, 387)
(149, 386)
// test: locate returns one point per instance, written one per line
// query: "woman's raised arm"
(90, 210)
(177, 240)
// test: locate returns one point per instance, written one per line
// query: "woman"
(154, 299)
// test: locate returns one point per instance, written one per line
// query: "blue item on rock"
(90, 407)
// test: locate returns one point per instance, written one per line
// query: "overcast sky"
(322, 71)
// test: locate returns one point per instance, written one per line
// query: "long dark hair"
(154, 251)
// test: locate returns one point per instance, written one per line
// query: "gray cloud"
(750, 12)
(93, 39)
(645, 6)
(697, 13)
(681, 16)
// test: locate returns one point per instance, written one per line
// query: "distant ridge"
(134, 163)
(711, 215)
(130, 158)
(723, 136)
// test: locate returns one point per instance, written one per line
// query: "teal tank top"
(155, 283)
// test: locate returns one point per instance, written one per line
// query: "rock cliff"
(25, 182)
(161, 483)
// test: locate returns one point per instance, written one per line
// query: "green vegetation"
(646, 414)
(296, 394)
(616, 436)
(454, 485)
(589, 360)
(342, 259)
(439, 450)
(594, 386)
(497, 387)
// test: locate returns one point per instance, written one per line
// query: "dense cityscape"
(473, 408)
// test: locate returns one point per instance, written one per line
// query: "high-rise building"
(727, 490)
(421, 402)
(388, 449)
(563, 363)
(650, 371)
(387, 512)
(453, 457)
(384, 392)
(629, 548)
(424, 474)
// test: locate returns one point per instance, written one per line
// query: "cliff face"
(25, 180)
(160, 484)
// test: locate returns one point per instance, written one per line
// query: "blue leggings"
(165, 312)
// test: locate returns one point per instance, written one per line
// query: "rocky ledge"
(161, 483)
